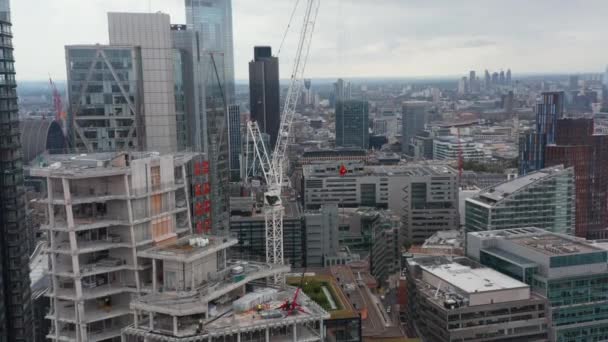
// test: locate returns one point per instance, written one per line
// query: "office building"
(265, 92)
(248, 225)
(502, 80)
(352, 124)
(342, 91)
(533, 144)
(102, 209)
(543, 199)
(605, 78)
(322, 236)
(472, 81)
(495, 78)
(452, 148)
(199, 294)
(577, 146)
(206, 111)
(113, 91)
(15, 293)
(414, 119)
(463, 86)
(235, 141)
(508, 79)
(385, 252)
(212, 20)
(422, 145)
(457, 299)
(487, 80)
(151, 33)
(570, 273)
(424, 196)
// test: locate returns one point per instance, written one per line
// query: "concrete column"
(295, 333)
(238, 337)
(175, 325)
(136, 319)
(151, 315)
(322, 330)
(186, 190)
(154, 285)
(267, 334)
(132, 232)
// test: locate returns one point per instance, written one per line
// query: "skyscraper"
(213, 20)
(487, 79)
(509, 77)
(606, 77)
(265, 91)
(235, 141)
(502, 79)
(15, 293)
(151, 32)
(414, 118)
(533, 145)
(472, 81)
(352, 124)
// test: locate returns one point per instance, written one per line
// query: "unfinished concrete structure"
(103, 208)
(199, 295)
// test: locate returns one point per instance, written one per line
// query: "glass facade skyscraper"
(213, 19)
(543, 199)
(352, 124)
(15, 293)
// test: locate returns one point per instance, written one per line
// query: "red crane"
(60, 115)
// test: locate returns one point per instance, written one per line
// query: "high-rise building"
(114, 91)
(207, 104)
(352, 123)
(463, 86)
(569, 273)
(577, 146)
(151, 33)
(509, 77)
(487, 80)
(15, 293)
(573, 82)
(533, 144)
(472, 81)
(235, 141)
(342, 91)
(322, 236)
(385, 256)
(413, 120)
(543, 199)
(265, 92)
(103, 208)
(495, 78)
(605, 79)
(212, 19)
(502, 78)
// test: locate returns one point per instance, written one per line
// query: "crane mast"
(274, 167)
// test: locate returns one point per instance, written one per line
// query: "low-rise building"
(460, 300)
(569, 272)
(452, 148)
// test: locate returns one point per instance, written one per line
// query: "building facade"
(576, 145)
(102, 209)
(533, 144)
(414, 119)
(15, 293)
(425, 196)
(385, 253)
(352, 124)
(235, 141)
(451, 148)
(570, 273)
(543, 199)
(212, 19)
(322, 236)
(151, 32)
(265, 92)
(248, 224)
(456, 299)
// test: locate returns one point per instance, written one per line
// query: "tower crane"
(273, 167)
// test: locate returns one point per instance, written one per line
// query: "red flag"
(343, 170)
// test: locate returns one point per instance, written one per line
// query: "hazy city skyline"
(393, 38)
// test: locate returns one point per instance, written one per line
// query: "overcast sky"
(355, 38)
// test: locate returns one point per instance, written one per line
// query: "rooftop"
(189, 248)
(109, 163)
(503, 190)
(473, 280)
(542, 241)
(413, 169)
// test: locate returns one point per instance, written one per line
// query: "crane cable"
(293, 12)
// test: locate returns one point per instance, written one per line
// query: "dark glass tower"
(265, 91)
(352, 124)
(15, 299)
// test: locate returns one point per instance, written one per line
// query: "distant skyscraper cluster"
(474, 85)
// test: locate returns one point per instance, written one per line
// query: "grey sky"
(397, 38)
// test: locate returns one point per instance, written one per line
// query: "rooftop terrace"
(189, 248)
